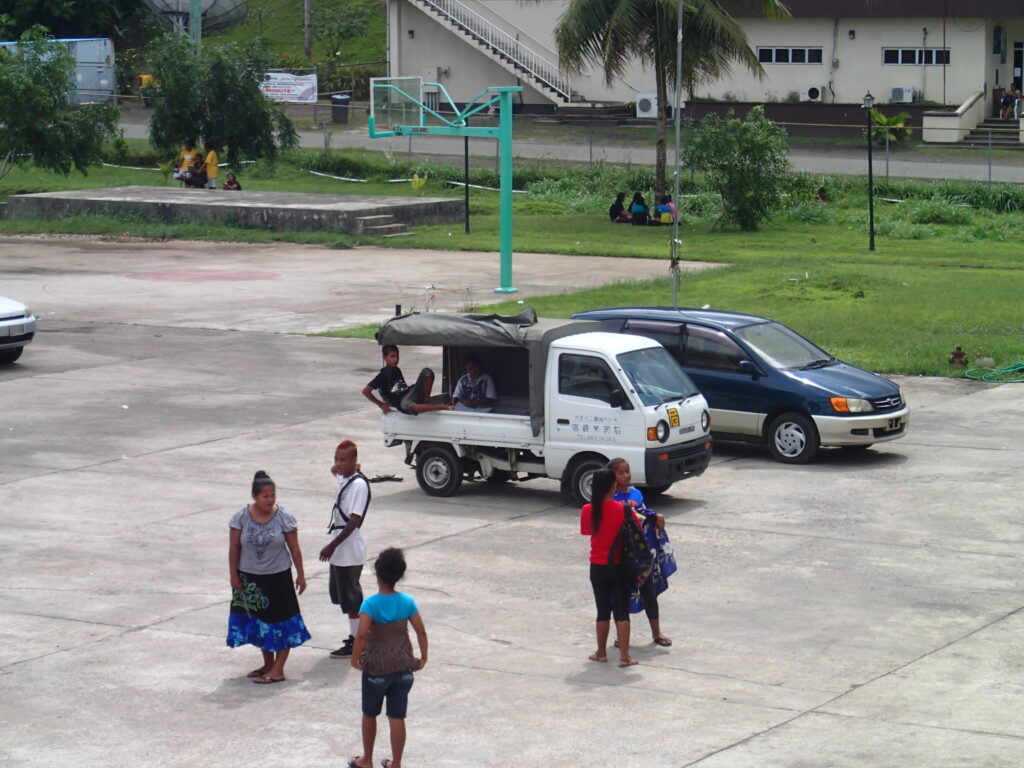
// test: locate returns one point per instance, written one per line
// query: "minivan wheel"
(10, 355)
(438, 471)
(793, 438)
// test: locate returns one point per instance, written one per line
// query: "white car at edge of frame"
(17, 327)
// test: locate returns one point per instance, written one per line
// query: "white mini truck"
(569, 399)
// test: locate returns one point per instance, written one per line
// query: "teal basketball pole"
(502, 96)
(505, 196)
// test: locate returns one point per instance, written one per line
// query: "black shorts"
(612, 589)
(345, 588)
(414, 394)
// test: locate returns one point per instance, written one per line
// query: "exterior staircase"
(380, 225)
(526, 58)
(1005, 134)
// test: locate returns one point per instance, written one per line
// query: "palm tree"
(611, 33)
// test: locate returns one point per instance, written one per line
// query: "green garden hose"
(1011, 375)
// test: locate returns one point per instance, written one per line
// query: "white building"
(942, 51)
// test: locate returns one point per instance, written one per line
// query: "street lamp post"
(869, 103)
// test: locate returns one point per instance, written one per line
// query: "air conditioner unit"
(647, 105)
(811, 93)
(902, 95)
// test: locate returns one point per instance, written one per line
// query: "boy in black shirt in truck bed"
(395, 393)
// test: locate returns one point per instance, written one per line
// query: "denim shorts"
(394, 687)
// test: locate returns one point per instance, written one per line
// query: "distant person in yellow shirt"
(210, 166)
(187, 158)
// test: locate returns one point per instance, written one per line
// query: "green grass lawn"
(943, 274)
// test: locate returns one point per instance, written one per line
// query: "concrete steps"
(1005, 134)
(380, 225)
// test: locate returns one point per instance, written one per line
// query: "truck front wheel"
(580, 476)
(438, 471)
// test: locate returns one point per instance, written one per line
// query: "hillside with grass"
(279, 22)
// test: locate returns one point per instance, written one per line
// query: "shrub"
(809, 212)
(703, 205)
(938, 211)
(902, 230)
(893, 126)
(745, 161)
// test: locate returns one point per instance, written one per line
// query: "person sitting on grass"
(231, 183)
(390, 384)
(638, 209)
(666, 210)
(617, 212)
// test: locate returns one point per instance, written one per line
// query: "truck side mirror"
(615, 398)
(748, 367)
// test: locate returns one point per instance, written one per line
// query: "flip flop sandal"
(664, 642)
(268, 680)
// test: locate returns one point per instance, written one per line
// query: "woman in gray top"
(264, 545)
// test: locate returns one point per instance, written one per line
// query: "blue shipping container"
(94, 68)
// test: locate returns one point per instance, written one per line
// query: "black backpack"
(331, 527)
(637, 556)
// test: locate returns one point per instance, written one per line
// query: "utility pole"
(307, 27)
(195, 24)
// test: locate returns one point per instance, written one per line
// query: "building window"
(789, 55)
(915, 56)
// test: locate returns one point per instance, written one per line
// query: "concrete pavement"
(858, 612)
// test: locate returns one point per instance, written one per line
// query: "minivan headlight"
(851, 405)
(705, 421)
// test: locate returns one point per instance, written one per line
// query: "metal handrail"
(502, 42)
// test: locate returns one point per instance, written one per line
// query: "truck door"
(581, 419)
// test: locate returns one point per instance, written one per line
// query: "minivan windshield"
(656, 376)
(782, 347)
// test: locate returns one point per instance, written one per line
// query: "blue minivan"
(766, 383)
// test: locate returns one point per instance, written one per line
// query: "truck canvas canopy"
(480, 332)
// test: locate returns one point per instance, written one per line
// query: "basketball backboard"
(396, 101)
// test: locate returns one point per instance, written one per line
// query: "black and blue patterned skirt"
(265, 613)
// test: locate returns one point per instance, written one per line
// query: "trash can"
(339, 107)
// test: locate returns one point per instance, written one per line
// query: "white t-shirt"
(474, 389)
(355, 500)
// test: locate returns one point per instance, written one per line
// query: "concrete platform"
(269, 210)
(859, 612)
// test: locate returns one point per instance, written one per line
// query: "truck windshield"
(783, 348)
(656, 376)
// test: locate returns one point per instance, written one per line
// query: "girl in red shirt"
(601, 520)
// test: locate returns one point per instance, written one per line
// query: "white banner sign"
(282, 86)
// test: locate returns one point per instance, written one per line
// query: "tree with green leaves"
(613, 33)
(746, 160)
(38, 124)
(215, 97)
(336, 21)
(119, 19)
